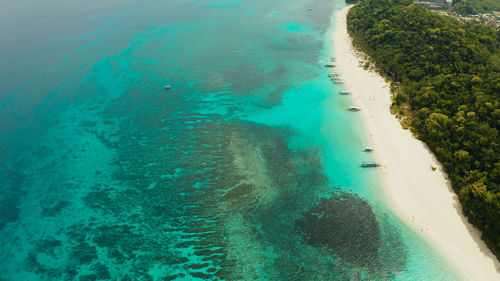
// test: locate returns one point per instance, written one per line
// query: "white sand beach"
(420, 196)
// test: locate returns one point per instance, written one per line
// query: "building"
(435, 4)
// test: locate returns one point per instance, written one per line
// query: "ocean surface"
(247, 168)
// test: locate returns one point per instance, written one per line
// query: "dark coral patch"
(346, 226)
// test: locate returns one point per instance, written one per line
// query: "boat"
(329, 65)
(368, 149)
(354, 108)
(333, 74)
(345, 92)
(168, 87)
(370, 164)
(332, 59)
(338, 81)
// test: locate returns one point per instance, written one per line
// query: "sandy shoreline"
(418, 195)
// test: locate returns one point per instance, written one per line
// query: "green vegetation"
(472, 7)
(446, 77)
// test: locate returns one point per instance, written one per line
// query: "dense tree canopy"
(471, 7)
(446, 76)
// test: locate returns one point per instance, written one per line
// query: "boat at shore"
(368, 149)
(330, 65)
(354, 108)
(337, 80)
(333, 74)
(345, 93)
(370, 164)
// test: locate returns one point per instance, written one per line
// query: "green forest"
(472, 7)
(446, 83)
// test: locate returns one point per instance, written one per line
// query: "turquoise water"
(246, 169)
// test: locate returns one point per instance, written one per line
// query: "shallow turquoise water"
(246, 169)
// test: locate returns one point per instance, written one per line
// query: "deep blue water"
(246, 169)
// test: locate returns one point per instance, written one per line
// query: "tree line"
(446, 80)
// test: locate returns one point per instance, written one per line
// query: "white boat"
(368, 149)
(345, 92)
(370, 164)
(354, 108)
(338, 81)
(168, 87)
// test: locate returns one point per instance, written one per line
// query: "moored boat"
(354, 108)
(370, 164)
(330, 65)
(368, 149)
(345, 92)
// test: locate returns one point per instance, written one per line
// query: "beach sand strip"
(420, 196)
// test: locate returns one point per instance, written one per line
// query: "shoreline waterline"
(420, 197)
